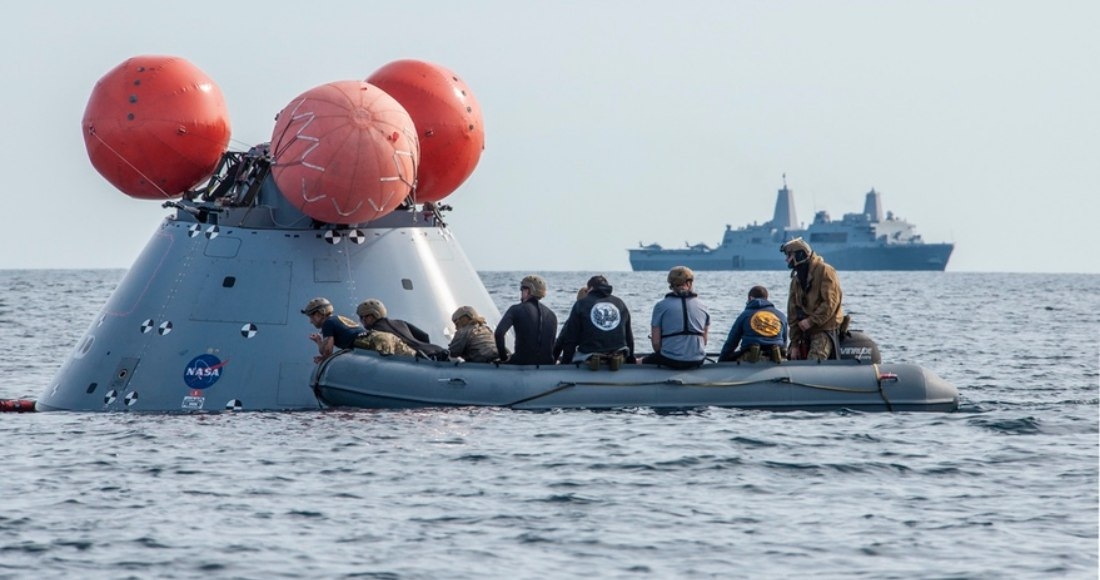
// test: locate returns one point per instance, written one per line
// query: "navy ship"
(858, 241)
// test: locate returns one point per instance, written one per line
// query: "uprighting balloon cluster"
(345, 152)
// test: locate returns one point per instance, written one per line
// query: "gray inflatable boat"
(366, 379)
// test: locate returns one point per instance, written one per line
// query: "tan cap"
(535, 284)
(371, 306)
(317, 305)
(467, 311)
(680, 275)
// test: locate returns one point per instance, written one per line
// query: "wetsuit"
(535, 327)
(416, 339)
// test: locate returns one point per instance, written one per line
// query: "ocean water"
(1007, 487)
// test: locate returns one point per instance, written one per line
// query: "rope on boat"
(712, 384)
(561, 387)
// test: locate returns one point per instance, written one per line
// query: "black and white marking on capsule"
(249, 330)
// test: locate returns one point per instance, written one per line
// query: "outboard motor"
(855, 345)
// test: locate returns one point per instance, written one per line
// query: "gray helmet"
(372, 306)
(318, 304)
(468, 312)
(801, 250)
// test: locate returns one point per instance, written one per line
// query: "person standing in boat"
(679, 324)
(473, 340)
(534, 323)
(372, 313)
(813, 305)
(598, 327)
(336, 331)
(759, 332)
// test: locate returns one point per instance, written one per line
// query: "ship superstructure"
(858, 241)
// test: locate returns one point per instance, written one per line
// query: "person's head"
(466, 315)
(596, 281)
(318, 310)
(370, 311)
(798, 252)
(681, 277)
(582, 292)
(532, 287)
(758, 292)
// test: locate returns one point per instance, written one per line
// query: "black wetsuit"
(535, 327)
(413, 336)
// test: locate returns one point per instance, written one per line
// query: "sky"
(609, 123)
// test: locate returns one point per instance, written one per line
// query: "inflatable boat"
(366, 379)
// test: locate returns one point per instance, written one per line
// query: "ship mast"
(784, 217)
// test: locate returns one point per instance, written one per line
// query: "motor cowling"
(855, 345)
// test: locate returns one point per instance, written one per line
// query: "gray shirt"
(679, 341)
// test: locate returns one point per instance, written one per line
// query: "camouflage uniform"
(474, 343)
(383, 342)
(820, 304)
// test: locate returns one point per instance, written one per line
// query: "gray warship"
(858, 241)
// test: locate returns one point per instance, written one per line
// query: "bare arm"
(325, 346)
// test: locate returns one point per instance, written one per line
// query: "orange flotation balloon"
(155, 126)
(345, 152)
(448, 121)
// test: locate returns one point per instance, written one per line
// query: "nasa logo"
(203, 371)
(605, 316)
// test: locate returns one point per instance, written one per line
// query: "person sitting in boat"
(813, 305)
(473, 340)
(598, 328)
(679, 324)
(535, 326)
(383, 342)
(336, 331)
(559, 341)
(759, 332)
(372, 313)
